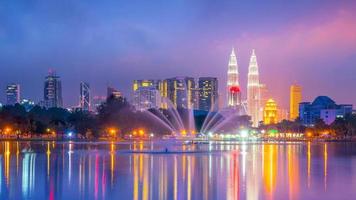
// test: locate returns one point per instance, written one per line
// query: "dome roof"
(324, 101)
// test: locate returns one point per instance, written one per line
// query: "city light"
(244, 133)
(70, 134)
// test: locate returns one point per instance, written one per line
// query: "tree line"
(341, 128)
(115, 113)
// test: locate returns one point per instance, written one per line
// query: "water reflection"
(50, 170)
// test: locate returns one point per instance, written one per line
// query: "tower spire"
(253, 91)
(233, 86)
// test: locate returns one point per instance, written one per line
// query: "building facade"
(145, 83)
(53, 91)
(181, 91)
(233, 86)
(324, 108)
(146, 97)
(208, 93)
(85, 96)
(13, 94)
(113, 93)
(270, 113)
(295, 98)
(253, 92)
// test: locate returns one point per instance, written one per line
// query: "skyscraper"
(146, 98)
(295, 99)
(181, 91)
(270, 115)
(84, 99)
(253, 91)
(146, 94)
(53, 91)
(208, 93)
(233, 86)
(145, 83)
(12, 94)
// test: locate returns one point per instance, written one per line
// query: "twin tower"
(254, 107)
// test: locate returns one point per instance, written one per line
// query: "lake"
(144, 170)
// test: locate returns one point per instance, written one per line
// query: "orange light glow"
(141, 132)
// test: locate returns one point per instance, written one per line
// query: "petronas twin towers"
(254, 107)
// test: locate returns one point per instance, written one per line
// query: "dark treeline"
(115, 113)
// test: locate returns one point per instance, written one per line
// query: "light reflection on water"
(63, 170)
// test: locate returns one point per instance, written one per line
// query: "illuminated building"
(253, 91)
(12, 94)
(84, 99)
(53, 91)
(322, 108)
(208, 93)
(270, 115)
(113, 93)
(233, 86)
(146, 97)
(294, 100)
(181, 91)
(145, 83)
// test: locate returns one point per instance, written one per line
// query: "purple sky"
(312, 43)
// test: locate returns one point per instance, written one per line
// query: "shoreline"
(187, 141)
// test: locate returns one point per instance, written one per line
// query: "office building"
(84, 98)
(208, 93)
(295, 98)
(53, 91)
(12, 94)
(146, 97)
(181, 91)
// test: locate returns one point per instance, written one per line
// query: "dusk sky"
(312, 43)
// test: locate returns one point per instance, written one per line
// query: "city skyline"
(316, 50)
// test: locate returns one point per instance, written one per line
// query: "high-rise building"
(12, 94)
(270, 115)
(294, 99)
(208, 93)
(146, 97)
(233, 86)
(253, 91)
(53, 91)
(112, 92)
(84, 98)
(181, 91)
(145, 83)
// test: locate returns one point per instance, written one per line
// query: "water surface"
(69, 170)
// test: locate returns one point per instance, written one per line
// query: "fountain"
(182, 123)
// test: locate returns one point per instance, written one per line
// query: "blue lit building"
(12, 94)
(324, 108)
